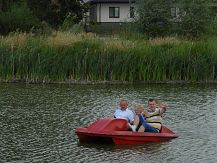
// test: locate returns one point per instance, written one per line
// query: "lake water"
(37, 123)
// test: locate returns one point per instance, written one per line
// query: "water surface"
(37, 122)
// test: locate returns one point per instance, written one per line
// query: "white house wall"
(103, 12)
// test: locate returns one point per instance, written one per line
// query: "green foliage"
(44, 29)
(55, 12)
(97, 59)
(173, 17)
(18, 17)
(70, 25)
(6, 4)
(39, 15)
(212, 29)
(154, 17)
(196, 17)
(129, 31)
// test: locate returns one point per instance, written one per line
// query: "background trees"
(153, 17)
(26, 15)
(55, 11)
(196, 17)
(175, 17)
(15, 15)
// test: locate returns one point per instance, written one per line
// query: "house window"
(132, 12)
(114, 12)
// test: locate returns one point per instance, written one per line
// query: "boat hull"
(138, 140)
(108, 132)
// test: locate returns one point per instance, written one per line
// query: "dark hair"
(152, 99)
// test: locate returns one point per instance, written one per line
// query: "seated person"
(139, 109)
(150, 120)
(124, 113)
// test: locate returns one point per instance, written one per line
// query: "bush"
(44, 29)
(153, 17)
(189, 18)
(18, 17)
(130, 32)
(70, 25)
(196, 18)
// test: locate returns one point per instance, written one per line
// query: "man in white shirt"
(124, 113)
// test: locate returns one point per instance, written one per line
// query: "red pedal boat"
(115, 130)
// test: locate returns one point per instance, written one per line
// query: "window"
(132, 12)
(114, 12)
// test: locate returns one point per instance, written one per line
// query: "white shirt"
(124, 114)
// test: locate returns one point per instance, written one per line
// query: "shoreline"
(84, 82)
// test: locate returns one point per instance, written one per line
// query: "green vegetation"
(39, 16)
(86, 57)
(191, 19)
(137, 53)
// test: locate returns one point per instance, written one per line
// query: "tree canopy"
(174, 17)
(55, 11)
(28, 14)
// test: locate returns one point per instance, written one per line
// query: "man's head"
(123, 104)
(152, 103)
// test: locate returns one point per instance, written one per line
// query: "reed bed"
(66, 57)
(164, 40)
(15, 39)
(66, 38)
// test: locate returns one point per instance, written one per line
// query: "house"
(110, 15)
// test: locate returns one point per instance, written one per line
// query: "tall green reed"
(111, 59)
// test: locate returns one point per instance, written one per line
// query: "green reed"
(111, 59)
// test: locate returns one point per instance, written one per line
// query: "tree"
(191, 18)
(55, 11)
(196, 17)
(153, 16)
(16, 15)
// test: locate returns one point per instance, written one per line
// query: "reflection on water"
(37, 122)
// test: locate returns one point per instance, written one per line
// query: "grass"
(86, 57)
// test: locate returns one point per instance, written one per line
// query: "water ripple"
(38, 121)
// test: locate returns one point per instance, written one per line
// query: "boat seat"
(109, 124)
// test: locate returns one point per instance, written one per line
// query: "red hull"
(115, 130)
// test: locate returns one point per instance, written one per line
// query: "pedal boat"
(115, 131)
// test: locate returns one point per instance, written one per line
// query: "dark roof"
(109, 1)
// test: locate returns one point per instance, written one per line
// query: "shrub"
(18, 17)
